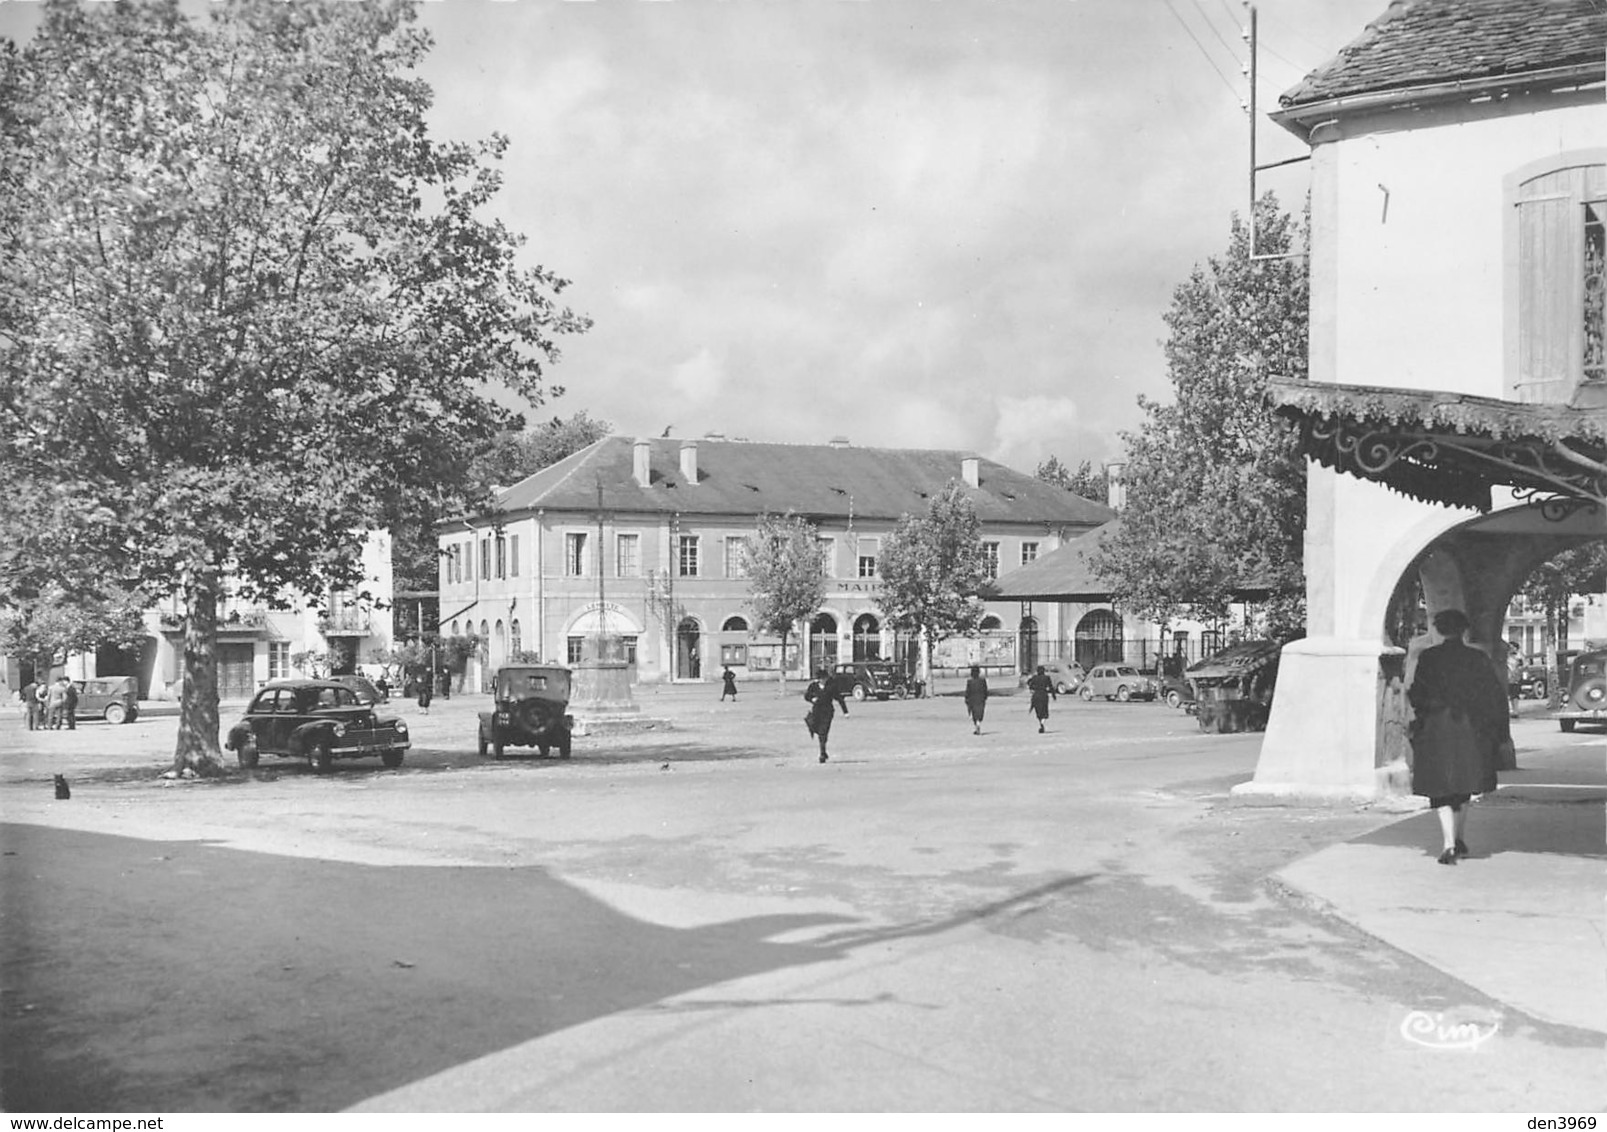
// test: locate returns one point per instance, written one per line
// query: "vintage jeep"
(318, 720)
(1233, 688)
(530, 710)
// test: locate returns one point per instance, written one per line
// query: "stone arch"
(1099, 638)
(867, 637)
(689, 648)
(823, 640)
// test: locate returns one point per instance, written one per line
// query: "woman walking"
(820, 693)
(730, 680)
(976, 698)
(1041, 688)
(1460, 729)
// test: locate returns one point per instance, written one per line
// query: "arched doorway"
(689, 649)
(822, 642)
(867, 637)
(499, 646)
(1099, 638)
(1029, 643)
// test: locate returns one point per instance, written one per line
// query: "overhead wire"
(1201, 47)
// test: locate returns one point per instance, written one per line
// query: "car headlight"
(401, 728)
(340, 730)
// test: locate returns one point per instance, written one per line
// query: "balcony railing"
(345, 622)
(229, 621)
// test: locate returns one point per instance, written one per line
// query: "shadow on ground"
(183, 976)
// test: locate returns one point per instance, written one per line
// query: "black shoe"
(822, 756)
(1040, 729)
(1461, 849)
(1448, 857)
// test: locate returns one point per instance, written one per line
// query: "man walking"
(976, 698)
(820, 694)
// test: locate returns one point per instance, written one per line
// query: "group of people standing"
(52, 705)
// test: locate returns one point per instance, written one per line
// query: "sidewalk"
(1521, 919)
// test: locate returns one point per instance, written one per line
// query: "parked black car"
(1586, 701)
(318, 720)
(863, 679)
(530, 710)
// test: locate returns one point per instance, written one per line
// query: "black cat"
(62, 789)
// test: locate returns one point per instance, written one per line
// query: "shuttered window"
(1559, 267)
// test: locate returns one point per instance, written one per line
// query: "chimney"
(839, 442)
(1116, 486)
(689, 461)
(971, 471)
(642, 463)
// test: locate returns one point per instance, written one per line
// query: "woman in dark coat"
(976, 698)
(730, 680)
(1460, 730)
(820, 693)
(1041, 688)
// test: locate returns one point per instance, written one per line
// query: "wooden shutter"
(1551, 281)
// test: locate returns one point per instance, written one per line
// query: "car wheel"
(563, 746)
(1174, 699)
(1086, 693)
(901, 692)
(320, 756)
(247, 754)
(115, 713)
(1061, 689)
(391, 758)
(859, 693)
(1539, 690)
(1566, 724)
(1123, 694)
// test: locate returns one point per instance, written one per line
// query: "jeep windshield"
(527, 683)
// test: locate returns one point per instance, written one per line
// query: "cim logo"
(1461, 1029)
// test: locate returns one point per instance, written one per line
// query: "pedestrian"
(1041, 688)
(1514, 681)
(425, 692)
(820, 693)
(30, 704)
(56, 703)
(69, 706)
(1460, 731)
(41, 699)
(730, 688)
(976, 698)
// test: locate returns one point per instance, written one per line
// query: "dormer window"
(1555, 311)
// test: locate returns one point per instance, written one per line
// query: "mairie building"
(645, 539)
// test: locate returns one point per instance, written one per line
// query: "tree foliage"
(786, 577)
(1085, 482)
(1215, 483)
(931, 566)
(1553, 585)
(55, 623)
(248, 305)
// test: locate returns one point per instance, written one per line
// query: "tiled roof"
(1421, 42)
(1064, 574)
(744, 478)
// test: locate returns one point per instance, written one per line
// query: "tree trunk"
(197, 749)
(781, 665)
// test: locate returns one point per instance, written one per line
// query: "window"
(485, 558)
(278, 660)
(828, 556)
(627, 556)
(736, 556)
(457, 562)
(1029, 552)
(869, 548)
(454, 628)
(734, 624)
(686, 556)
(446, 569)
(515, 643)
(576, 644)
(990, 560)
(502, 557)
(513, 556)
(575, 554)
(1555, 302)
(629, 641)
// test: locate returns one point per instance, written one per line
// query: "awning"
(1451, 448)
(1240, 660)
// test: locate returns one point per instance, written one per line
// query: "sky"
(911, 223)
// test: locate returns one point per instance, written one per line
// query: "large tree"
(1215, 483)
(249, 307)
(786, 577)
(1553, 586)
(930, 568)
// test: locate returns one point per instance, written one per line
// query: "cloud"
(699, 377)
(1031, 429)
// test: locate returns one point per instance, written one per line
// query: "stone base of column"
(1322, 736)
